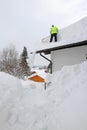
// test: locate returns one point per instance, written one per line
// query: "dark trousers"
(53, 36)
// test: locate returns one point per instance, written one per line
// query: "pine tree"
(24, 68)
(24, 53)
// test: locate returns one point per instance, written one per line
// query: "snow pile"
(9, 98)
(69, 107)
(26, 105)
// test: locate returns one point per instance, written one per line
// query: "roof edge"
(48, 50)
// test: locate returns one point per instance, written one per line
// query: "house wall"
(69, 56)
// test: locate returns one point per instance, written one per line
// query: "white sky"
(24, 22)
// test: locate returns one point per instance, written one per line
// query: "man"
(53, 32)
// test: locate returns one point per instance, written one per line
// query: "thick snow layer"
(74, 33)
(25, 105)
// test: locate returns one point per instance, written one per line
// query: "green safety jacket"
(53, 30)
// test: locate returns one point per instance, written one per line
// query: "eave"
(48, 50)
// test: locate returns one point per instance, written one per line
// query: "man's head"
(52, 25)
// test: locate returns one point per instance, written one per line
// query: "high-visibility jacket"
(53, 30)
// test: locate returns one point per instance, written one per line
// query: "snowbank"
(26, 105)
(9, 98)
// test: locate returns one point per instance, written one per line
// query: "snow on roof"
(74, 33)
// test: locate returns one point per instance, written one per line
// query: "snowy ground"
(25, 105)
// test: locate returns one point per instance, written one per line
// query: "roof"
(71, 36)
(38, 76)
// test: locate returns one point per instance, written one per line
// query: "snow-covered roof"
(40, 73)
(73, 35)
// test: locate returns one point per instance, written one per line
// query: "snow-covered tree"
(9, 60)
(24, 67)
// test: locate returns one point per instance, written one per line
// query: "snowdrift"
(26, 105)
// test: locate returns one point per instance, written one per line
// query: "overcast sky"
(24, 22)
